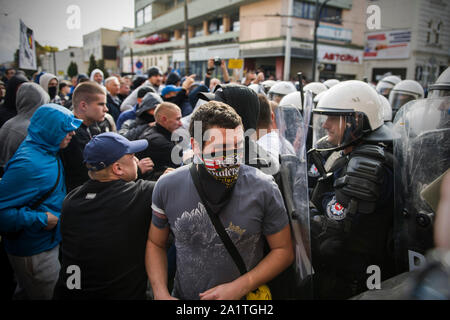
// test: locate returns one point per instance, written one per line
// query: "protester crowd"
(148, 188)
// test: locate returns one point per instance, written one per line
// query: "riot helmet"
(349, 112)
(280, 89)
(315, 88)
(441, 88)
(331, 82)
(404, 91)
(387, 110)
(385, 85)
(292, 99)
(267, 85)
(257, 88)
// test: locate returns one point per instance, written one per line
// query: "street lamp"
(316, 25)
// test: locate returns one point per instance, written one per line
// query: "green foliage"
(72, 70)
(92, 64)
(101, 66)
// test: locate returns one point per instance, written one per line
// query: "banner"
(387, 45)
(331, 54)
(27, 49)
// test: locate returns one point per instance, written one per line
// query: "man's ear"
(195, 146)
(117, 169)
(83, 106)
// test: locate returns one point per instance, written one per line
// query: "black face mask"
(52, 92)
(216, 192)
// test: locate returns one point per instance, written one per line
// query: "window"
(148, 14)
(72, 55)
(198, 30)
(214, 26)
(140, 18)
(307, 10)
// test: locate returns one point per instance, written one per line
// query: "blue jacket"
(30, 173)
(127, 115)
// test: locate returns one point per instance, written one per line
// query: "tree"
(72, 70)
(92, 64)
(101, 66)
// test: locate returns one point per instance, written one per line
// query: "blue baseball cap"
(170, 88)
(106, 148)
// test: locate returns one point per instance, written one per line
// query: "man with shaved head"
(160, 144)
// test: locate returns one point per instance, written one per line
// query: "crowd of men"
(164, 187)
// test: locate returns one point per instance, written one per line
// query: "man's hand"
(259, 79)
(52, 221)
(188, 82)
(211, 63)
(227, 291)
(145, 165)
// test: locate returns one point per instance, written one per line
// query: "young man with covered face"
(247, 217)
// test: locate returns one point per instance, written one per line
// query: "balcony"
(197, 10)
(213, 38)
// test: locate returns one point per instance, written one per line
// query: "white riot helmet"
(403, 92)
(315, 87)
(385, 85)
(331, 83)
(257, 88)
(349, 111)
(441, 88)
(280, 89)
(292, 99)
(267, 85)
(387, 110)
(318, 97)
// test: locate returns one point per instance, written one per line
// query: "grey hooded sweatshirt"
(30, 96)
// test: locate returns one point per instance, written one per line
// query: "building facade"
(103, 44)
(254, 31)
(413, 42)
(58, 62)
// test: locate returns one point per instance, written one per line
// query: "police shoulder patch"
(335, 210)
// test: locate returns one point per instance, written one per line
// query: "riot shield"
(292, 131)
(422, 156)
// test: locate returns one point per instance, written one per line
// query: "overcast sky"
(49, 21)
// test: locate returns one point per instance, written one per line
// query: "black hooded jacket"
(8, 109)
(133, 128)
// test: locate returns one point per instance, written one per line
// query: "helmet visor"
(384, 88)
(337, 130)
(398, 99)
(276, 97)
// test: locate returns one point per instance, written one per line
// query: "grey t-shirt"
(256, 208)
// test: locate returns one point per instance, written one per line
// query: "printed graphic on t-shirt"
(201, 252)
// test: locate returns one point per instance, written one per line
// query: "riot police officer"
(441, 88)
(403, 92)
(279, 90)
(385, 85)
(354, 199)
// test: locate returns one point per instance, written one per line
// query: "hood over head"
(151, 101)
(45, 79)
(94, 72)
(243, 100)
(30, 96)
(173, 78)
(193, 95)
(50, 124)
(11, 91)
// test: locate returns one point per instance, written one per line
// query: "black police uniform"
(353, 226)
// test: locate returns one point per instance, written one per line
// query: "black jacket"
(113, 107)
(159, 148)
(72, 157)
(104, 226)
